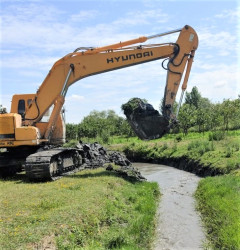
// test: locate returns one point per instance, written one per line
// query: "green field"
(90, 210)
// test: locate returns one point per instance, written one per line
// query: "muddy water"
(179, 225)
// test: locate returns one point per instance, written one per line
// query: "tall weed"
(200, 147)
(216, 136)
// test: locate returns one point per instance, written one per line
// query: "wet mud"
(95, 156)
(179, 225)
(146, 122)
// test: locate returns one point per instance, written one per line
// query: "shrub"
(174, 148)
(229, 152)
(178, 138)
(105, 136)
(71, 143)
(231, 165)
(216, 136)
(200, 147)
(193, 145)
(164, 147)
(235, 146)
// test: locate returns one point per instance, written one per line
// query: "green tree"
(236, 117)
(203, 114)
(230, 110)
(203, 109)
(193, 98)
(103, 124)
(187, 117)
(71, 131)
(216, 118)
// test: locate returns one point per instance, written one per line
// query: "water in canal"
(179, 225)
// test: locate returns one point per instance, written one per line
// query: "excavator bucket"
(146, 122)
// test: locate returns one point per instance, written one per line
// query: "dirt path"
(179, 225)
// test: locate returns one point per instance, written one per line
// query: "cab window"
(21, 107)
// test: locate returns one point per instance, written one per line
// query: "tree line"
(200, 114)
(99, 125)
(196, 114)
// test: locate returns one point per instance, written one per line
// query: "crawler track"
(54, 163)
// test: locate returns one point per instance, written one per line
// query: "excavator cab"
(12, 133)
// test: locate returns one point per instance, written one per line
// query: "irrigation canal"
(179, 225)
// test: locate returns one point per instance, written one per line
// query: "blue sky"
(34, 34)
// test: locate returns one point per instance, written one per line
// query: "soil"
(47, 243)
(95, 155)
(179, 225)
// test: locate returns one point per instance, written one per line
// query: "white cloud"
(29, 62)
(142, 17)
(232, 15)
(221, 43)
(84, 15)
(76, 97)
(217, 84)
(6, 51)
(46, 27)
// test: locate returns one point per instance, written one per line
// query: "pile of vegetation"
(146, 122)
(133, 105)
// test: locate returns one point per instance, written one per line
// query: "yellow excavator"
(26, 138)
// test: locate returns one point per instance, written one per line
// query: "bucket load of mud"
(145, 121)
(95, 156)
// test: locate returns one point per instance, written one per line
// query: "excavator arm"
(84, 62)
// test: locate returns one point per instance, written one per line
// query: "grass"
(219, 203)
(215, 150)
(89, 210)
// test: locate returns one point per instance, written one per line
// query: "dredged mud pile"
(95, 156)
